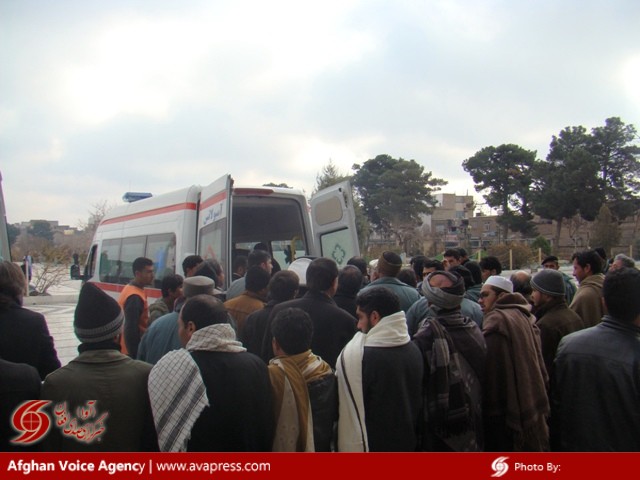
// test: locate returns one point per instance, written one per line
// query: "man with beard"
(212, 395)
(379, 379)
(587, 302)
(554, 317)
(516, 405)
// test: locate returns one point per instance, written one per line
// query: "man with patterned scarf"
(379, 379)
(454, 353)
(211, 395)
(304, 387)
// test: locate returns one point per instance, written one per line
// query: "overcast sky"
(102, 97)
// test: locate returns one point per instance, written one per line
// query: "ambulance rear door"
(214, 223)
(333, 222)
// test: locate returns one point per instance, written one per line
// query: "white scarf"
(390, 331)
(176, 389)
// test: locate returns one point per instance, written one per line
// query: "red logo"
(31, 422)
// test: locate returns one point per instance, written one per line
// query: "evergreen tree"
(619, 161)
(505, 174)
(395, 193)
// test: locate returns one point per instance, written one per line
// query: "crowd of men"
(438, 356)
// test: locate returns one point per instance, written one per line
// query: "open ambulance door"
(214, 224)
(333, 222)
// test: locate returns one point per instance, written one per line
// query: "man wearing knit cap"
(162, 335)
(387, 269)
(554, 317)
(515, 403)
(551, 261)
(454, 354)
(107, 387)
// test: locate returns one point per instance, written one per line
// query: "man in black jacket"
(24, 335)
(379, 379)
(256, 335)
(596, 382)
(19, 383)
(332, 326)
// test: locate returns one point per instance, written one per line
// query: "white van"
(220, 221)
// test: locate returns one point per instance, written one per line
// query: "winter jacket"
(25, 338)
(587, 301)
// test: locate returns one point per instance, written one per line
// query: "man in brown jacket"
(587, 268)
(252, 299)
(554, 318)
(515, 401)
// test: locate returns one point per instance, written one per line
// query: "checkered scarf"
(446, 409)
(176, 388)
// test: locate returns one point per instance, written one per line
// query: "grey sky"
(98, 98)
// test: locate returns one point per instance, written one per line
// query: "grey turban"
(444, 298)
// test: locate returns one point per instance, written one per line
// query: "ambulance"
(220, 221)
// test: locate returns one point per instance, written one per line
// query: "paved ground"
(58, 309)
(59, 318)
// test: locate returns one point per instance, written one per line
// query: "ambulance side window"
(109, 263)
(132, 248)
(162, 250)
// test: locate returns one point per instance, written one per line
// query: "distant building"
(454, 222)
(61, 233)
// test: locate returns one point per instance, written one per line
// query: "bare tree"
(96, 214)
(52, 270)
(576, 225)
(98, 211)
